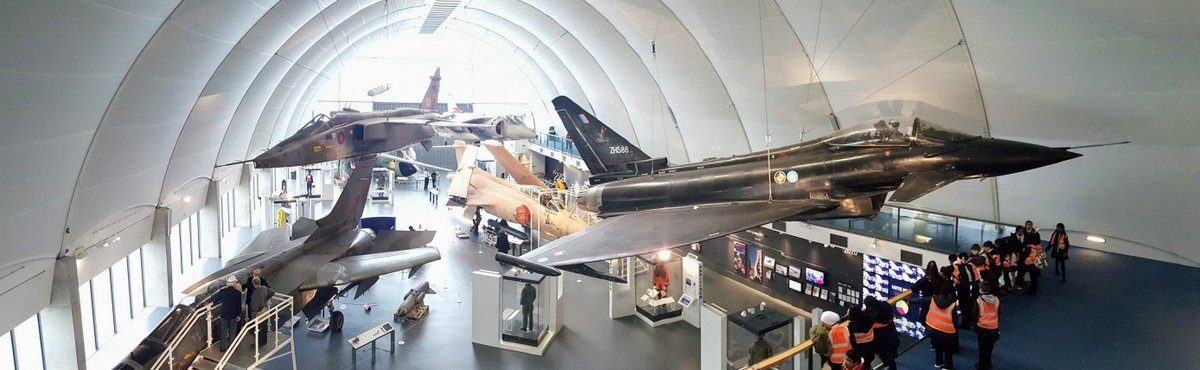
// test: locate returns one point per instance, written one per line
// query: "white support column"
(62, 320)
(157, 261)
(713, 337)
(210, 222)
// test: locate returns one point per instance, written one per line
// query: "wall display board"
(884, 278)
(803, 273)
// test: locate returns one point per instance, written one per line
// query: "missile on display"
(647, 205)
(414, 302)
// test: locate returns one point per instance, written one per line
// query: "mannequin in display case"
(528, 296)
(661, 279)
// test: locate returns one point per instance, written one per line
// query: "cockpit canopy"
(892, 134)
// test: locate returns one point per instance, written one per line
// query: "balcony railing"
(937, 232)
(557, 143)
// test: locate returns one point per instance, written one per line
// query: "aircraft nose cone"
(515, 130)
(1040, 156)
(1002, 157)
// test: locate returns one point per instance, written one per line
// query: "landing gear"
(336, 319)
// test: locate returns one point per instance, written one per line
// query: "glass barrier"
(557, 143)
(932, 231)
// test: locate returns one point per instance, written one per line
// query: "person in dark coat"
(528, 296)
(502, 243)
(426, 182)
(435, 179)
(859, 325)
(249, 284)
(926, 287)
(229, 301)
(883, 322)
(1060, 246)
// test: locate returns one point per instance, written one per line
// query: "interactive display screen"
(884, 278)
(814, 276)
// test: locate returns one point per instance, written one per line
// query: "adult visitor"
(1060, 245)
(229, 300)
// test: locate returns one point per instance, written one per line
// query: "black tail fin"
(349, 207)
(599, 145)
(430, 101)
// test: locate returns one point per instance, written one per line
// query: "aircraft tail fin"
(599, 145)
(430, 101)
(349, 207)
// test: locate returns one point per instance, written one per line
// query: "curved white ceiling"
(111, 107)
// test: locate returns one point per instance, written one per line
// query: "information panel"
(884, 278)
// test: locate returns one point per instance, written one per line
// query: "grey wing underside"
(645, 232)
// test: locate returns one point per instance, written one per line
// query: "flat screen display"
(814, 276)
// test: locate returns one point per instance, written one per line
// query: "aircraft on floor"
(647, 205)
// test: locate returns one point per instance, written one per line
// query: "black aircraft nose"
(996, 157)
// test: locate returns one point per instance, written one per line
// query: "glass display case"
(755, 334)
(524, 297)
(658, 285)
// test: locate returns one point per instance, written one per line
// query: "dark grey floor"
(590, 340)
(1115, 312)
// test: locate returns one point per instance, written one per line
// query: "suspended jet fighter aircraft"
(649, 206)
(528, 202)
(475, 130)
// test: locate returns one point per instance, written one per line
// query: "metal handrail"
(795, 351)
(271, 314)
(168, 355)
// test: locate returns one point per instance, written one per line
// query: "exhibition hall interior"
(599, 184)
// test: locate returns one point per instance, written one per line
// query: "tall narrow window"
(103, 306)
(8, 359)
(137, 281)
(89, 316)
(28, 342)
(122, 307)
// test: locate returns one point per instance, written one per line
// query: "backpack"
(1039, 259)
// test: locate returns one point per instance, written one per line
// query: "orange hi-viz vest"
(839, 337)
(939, 318)
(989, 315)
(863, 338)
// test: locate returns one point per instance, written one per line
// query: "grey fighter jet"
(647, 205)
(329, 253)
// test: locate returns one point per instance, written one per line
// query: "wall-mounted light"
(922, 238)
(1096, 239)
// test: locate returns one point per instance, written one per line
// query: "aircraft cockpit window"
(877, 134)
(931, 132)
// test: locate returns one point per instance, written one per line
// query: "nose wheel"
(336, 319)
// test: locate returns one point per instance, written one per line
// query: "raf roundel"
(792, 176)
(780, 178)
(341, 137)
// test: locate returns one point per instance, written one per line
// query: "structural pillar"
(156, 257)
(62, 320)
(210, 222)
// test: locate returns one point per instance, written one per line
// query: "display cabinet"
(756, 333)
(524, 299)
(658, 284)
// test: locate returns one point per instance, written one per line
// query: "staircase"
(195, 345)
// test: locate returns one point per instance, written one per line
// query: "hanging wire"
(812, 69)
(914, 69)
(762, 52)
(845, 36)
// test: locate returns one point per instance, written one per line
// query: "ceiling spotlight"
(1096, 239)
(116, 239)
(187, 199)
(105, 244)
(664, 255)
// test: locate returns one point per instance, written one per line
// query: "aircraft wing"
(645, 232)
(918, 184)
(452, 124)
(514, 167)
(361, 267)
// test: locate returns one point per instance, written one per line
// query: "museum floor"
(1117, 312)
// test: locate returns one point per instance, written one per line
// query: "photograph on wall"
(739, 257)
(754, 260)
(781, 270)
(769, 262)
(794, 271)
